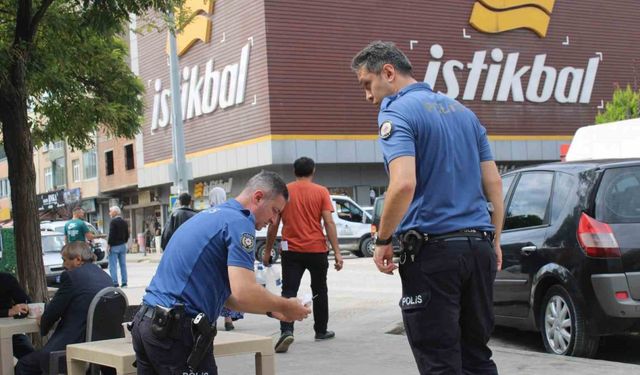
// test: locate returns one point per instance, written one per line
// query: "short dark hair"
(77, 209)
(303, 167)
(185, 199)
(270, 182)
(374, 56)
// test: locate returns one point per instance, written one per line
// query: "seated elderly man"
(81, 281)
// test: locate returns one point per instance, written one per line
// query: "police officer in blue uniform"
(207, 264)
(441, 174)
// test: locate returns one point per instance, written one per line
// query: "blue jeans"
(118, 254)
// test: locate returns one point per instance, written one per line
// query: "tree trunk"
(22, 176)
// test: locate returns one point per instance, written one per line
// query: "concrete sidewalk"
(361, 346)
(363, 308)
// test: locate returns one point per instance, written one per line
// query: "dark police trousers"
(447, 305)
(293, 266)
(166, 356)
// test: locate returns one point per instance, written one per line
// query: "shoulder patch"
(248, 241)
(385, 129)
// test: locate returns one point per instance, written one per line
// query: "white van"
(614, 140)
(353, 225)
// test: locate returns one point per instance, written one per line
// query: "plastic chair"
(104, 322)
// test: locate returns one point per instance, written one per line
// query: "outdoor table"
(8, 328)
(119, 354)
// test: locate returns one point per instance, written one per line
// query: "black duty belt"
(147, 311)
(412, 240)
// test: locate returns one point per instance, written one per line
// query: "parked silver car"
(56, 228)
(52, 243)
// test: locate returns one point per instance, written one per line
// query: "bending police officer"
(441, 173)
(208, 264)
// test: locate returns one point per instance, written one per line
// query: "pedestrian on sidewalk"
(304, 247)
(117, 246)
(441, 174)
(209, 264)
(177, 218)
(77, 229)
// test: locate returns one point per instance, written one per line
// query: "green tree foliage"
(63, 74)
(624, 105)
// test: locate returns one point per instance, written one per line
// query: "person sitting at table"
(81, 281)
(13, 301)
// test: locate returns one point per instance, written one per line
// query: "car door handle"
(528, 250)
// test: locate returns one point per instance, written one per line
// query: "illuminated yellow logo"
(199, 28)
(497, 16)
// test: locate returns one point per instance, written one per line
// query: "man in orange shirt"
(304, 247)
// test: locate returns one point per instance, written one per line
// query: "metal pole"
(178, 137)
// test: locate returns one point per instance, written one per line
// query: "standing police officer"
(441, 173)
(207, 264)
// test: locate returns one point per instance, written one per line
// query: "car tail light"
(622, 296)
(374, 229)
(597, 239)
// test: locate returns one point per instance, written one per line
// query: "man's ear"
(258, 195)
(388, 72)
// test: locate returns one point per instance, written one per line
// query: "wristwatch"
(381, 242)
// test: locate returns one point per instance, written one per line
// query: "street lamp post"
(180, 183)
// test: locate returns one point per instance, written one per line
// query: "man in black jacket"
(177, 218)
(117, 246)
(69, 306)
(13, 301)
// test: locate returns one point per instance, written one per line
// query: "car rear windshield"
(52, 244)
(618, 197)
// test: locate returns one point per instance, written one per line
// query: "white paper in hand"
(306, 299)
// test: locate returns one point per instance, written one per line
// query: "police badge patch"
(248, 241)
(385, 129)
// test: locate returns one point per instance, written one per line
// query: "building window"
(75, 166)
(56, 145)
(108, 162)
(128, 152)
(48, 179)
(59, 173)
(90, 164)
(5, 188)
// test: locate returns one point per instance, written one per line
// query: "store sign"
(505, 77)
(48, 201)
(202, 93)
(226, 185)
(505, 74)
(498, 16)
(199, 27)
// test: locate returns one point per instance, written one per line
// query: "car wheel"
(274, 252)
(367, 247)
(563, 325)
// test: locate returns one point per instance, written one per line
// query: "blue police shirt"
(448, 143)
(193, 269)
